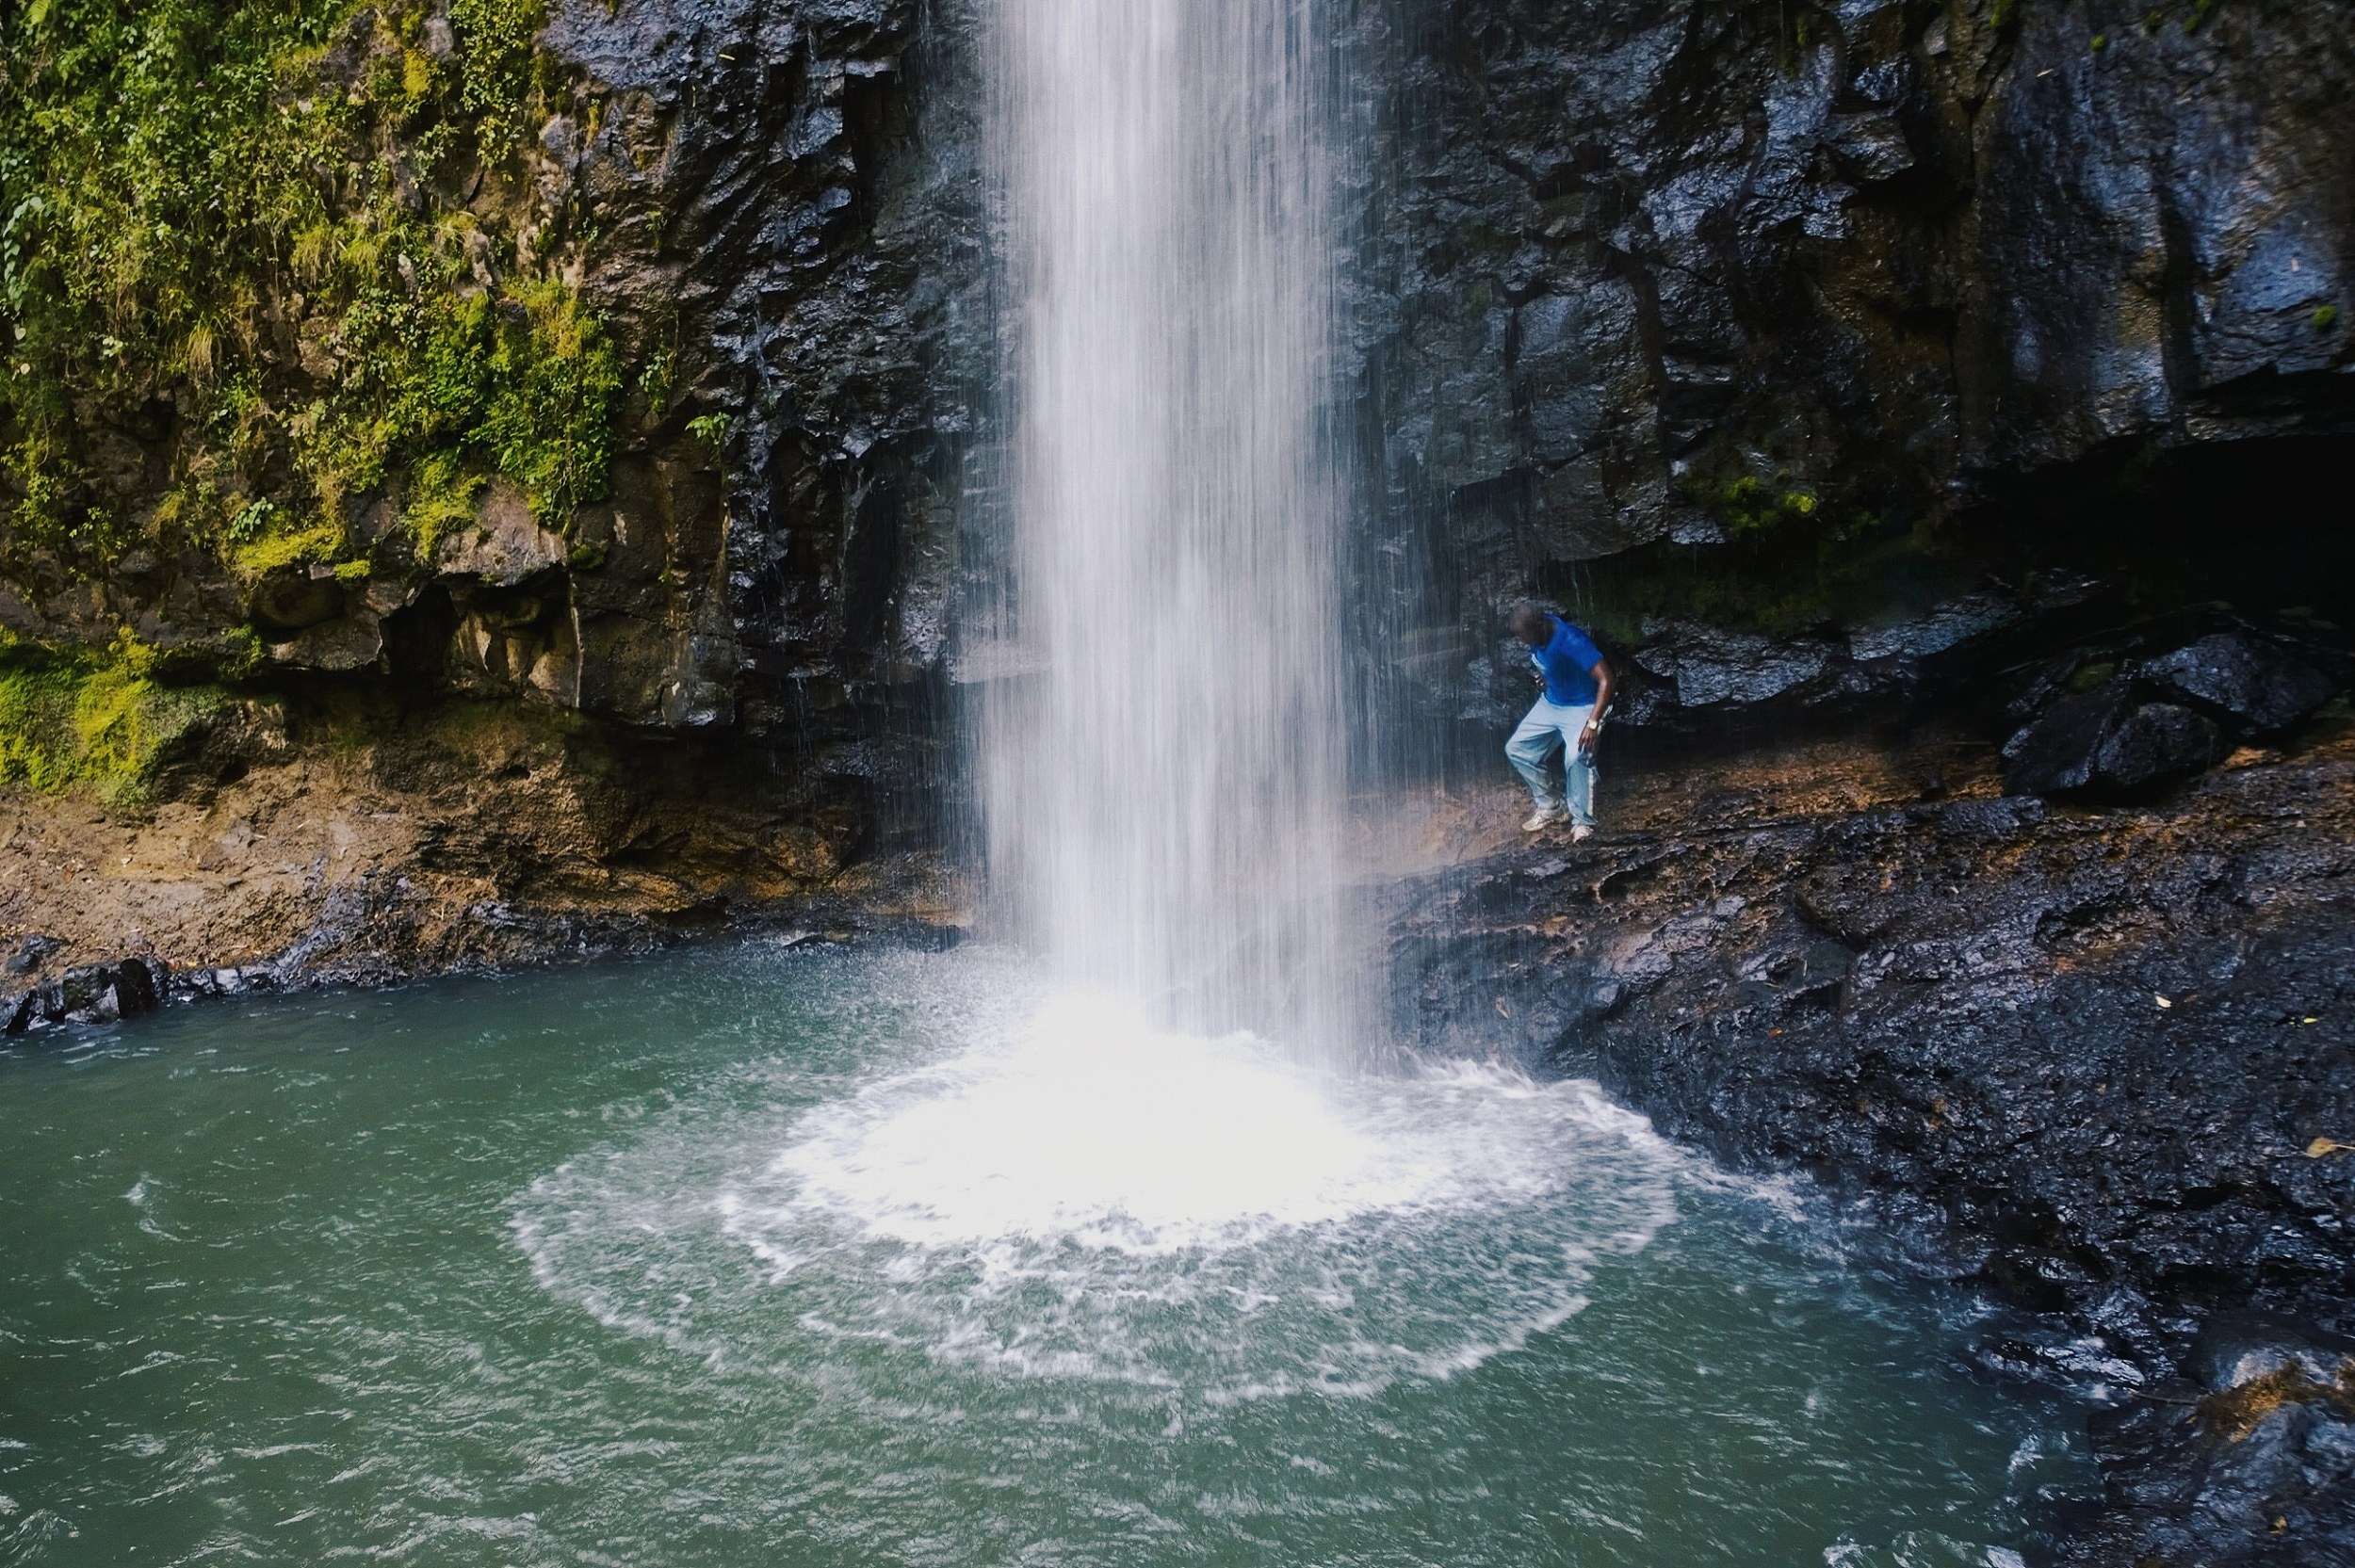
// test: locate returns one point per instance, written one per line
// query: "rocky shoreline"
(304, 844)
(2101, 1057)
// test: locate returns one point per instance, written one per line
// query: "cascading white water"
(1164, 794)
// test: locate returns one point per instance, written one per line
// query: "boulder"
(89, 994)
(2252, 686)
(294, 597)
(348, 642)
(2152, 743)
(2108, 743)
(1721, 669)
(32, 953)
(105, 992)
(503, 545)
(2057, 750)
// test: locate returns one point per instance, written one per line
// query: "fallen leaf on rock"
(2322, 1146)
(2162, 1001)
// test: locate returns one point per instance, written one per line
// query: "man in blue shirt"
(1568, 716)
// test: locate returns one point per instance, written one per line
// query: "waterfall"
(1163, 791)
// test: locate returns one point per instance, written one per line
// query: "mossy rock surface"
(271, 268)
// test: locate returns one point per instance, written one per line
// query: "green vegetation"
(103, 720)
(1781, 585)
(2092, 676)
(2324, 318)
(1748, 505)
(2100, 42)
(267, 240)
(712, 430)
(1794, 559)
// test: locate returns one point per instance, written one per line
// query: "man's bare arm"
(1601, 672)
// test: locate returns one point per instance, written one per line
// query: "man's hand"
(1586, 736)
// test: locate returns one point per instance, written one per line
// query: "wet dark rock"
(1714, 668)
(107, 993)
(89, 993)
(2103, 1057)
(2061, 750)
(2144, 721)
(1901, 264)
(2250, 1458)
(31, 953)
(2251, 684)
(2155, 742)
(2107, 744)
(815, 170)
(228, 981)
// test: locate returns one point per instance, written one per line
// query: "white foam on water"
(1090, 1126)
(1080, 1195)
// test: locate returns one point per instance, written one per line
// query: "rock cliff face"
(799, 185)
(1800, 349)
(722, 667)
(1822, 356)
(1806, 320)
(781, 263)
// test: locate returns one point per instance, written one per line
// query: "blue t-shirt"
(1567, 660)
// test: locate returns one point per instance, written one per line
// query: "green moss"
(95, 719)
(312, 546)
(552, 381)
(439, 496)
(2091, 677)
(2098, 42)
(2324, 318)
(190, 188)
(2200, 11)
(1796, 557)
(494, 38)
(1747, 504)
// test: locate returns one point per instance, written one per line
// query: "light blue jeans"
(1546, 729)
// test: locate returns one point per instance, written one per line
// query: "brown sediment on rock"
(464, 835)
(2234, 1413)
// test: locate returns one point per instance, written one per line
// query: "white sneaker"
(1581, 833)
(1540, 820)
